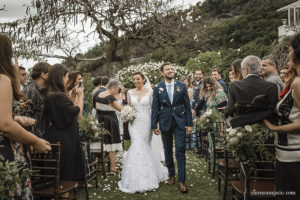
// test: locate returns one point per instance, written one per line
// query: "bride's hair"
(142, 75)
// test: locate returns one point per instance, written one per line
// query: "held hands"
(156, 131)
(188, 129)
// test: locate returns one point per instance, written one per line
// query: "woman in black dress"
(106, 104)
(62, 114)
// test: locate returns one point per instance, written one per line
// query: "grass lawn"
(199, 182)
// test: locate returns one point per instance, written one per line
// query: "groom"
(171, 109)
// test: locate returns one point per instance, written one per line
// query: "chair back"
(46, 171)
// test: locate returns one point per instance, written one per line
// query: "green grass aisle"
(199, 183)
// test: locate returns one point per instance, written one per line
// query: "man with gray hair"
(250, 86)
(269, 71)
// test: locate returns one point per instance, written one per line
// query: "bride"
(142, 170)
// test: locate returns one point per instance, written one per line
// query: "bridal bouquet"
(90, 129)
(128, 114)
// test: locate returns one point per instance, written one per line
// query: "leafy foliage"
(247, 143)
(91, 131)
(207, 121)
(206, 61)
(11, 175)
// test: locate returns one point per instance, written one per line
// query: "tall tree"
(115, 22)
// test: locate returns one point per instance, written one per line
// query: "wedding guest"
(106, 104)
(288, 79)
(96, 84)
(287, 134)
(13, 136)
(212, 94)
(75, 80)
(120, 98)
(61, 114)
(189, 86)
(270, 73)
(102, 88)
(250, 86)
(215, 99)
(216, 74)
(22, 77)
(198, 75)
(198, 78)
(236, 70)
(35, 93)
(283, 72)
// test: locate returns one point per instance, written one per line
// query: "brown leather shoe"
(183, 188)
(171, 180)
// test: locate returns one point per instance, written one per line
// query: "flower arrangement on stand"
(128, 113)
(11, 175)
(247, 143)
(207, 121)
(152, 70)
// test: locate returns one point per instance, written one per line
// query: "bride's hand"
(156, 131)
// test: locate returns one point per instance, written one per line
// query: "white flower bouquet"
(90, 131)
(206, 121)
(247, 143)
(128, 114)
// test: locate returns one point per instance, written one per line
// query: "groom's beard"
(168, 78)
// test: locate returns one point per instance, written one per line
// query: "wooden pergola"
(293, 9)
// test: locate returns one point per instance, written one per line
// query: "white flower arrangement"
(90, 129)
(128, 114)
(246, 143)
(152, 70)
(206, 120)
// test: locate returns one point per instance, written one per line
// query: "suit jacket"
(163, 111)
(196, 93)
(248, 88)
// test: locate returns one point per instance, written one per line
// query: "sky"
(16, 9)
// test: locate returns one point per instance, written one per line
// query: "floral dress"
(15, 151)
(219, 98)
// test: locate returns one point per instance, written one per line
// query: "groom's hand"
(156, 131)
(188, 129)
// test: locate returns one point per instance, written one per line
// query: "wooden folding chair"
(45, 179)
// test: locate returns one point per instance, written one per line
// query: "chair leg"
(225, 188)
(219, 183)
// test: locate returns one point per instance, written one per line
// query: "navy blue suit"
(172, 118)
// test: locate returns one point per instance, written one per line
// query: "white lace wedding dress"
(142, 171)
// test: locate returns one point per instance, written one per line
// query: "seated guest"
(35, 93)
(250, 86)
(12, 135)
(270, 73)
(106, 104)
(61, 114)
(288, 133)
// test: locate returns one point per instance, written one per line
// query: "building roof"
(292, 5)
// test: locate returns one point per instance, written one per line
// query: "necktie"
(170, 92)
